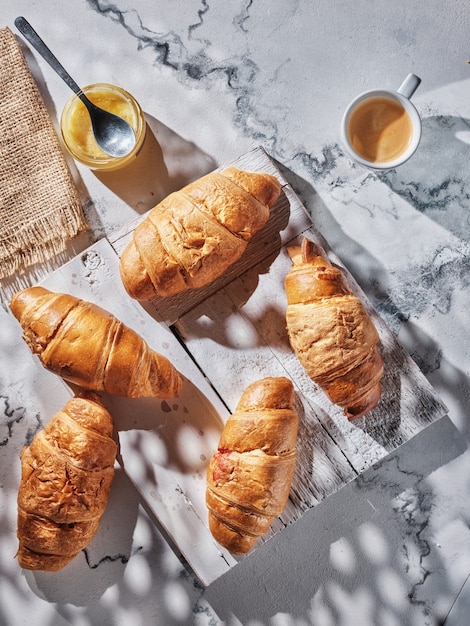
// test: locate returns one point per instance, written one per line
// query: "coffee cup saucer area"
(381, 128)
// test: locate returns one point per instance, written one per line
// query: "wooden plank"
(240, 335)
(165, 445)
(222, 338)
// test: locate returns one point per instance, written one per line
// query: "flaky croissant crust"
(331, 333)
(88, 346)
(249, 477)
(195, 234)
(66, 477)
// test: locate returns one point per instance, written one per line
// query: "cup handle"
(409, 85)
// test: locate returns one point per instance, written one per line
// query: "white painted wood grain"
(165, 445)
(221, 339)
(240, 335)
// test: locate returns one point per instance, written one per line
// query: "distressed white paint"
(235, 334)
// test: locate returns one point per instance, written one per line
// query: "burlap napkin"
(40, 209)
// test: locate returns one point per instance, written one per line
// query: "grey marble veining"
(388, 530)
(216, 79)
(433, 183)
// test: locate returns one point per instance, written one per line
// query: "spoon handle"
(31, 35)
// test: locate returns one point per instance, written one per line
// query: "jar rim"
(102, 161)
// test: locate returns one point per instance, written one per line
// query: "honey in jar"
(77, 132)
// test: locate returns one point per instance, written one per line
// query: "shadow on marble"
(102, 563)
(461, 608)
(128, 539)
(175, 160)
(444, 376)
(356, 531)
(400, 298)
(165, 163)
(436, 181)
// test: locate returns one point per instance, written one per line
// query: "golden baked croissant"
(66, 476)
(331, 333)
(250, 475)
(88, 346)
(195, 234)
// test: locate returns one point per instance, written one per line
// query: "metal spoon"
(112, 133)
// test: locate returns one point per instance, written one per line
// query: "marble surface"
(215, 80)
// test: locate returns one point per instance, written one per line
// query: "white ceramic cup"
(402, 97)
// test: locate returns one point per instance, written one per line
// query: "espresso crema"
(380, 130)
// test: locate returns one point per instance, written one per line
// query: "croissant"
(331, 333)
(250, 475)
(66, 476)
(88, 346)
(195, 234)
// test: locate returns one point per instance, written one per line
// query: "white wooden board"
(222, 338)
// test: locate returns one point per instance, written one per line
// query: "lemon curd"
(77, 132)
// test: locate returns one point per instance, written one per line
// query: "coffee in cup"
(381, 128)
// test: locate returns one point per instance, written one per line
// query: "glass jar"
(76, 128)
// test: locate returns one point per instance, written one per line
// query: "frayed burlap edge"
(24, 252)
(40, 206)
